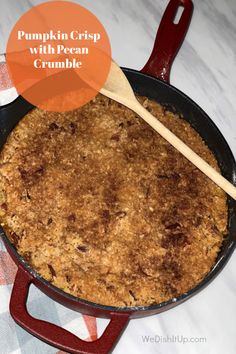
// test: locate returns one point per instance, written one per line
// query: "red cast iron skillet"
(153, 82)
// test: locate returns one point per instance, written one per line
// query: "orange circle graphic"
(58, 56)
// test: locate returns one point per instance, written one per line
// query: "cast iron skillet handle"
(57, 336)
(168, 39)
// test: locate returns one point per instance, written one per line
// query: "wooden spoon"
(117, 87)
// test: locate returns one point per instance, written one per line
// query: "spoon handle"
(184, 149)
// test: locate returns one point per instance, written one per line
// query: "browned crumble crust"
(104, 208)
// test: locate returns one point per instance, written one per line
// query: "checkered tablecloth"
(13, 339)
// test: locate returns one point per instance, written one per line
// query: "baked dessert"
(105, 209)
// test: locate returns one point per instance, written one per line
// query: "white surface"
(205, 69)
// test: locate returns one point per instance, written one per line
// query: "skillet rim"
(219, 265)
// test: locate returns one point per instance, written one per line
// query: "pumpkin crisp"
(104, 208)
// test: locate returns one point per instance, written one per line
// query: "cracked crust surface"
(105, 209)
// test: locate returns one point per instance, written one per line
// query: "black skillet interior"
(176, 102)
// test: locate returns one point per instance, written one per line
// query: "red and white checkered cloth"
(14, 339)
